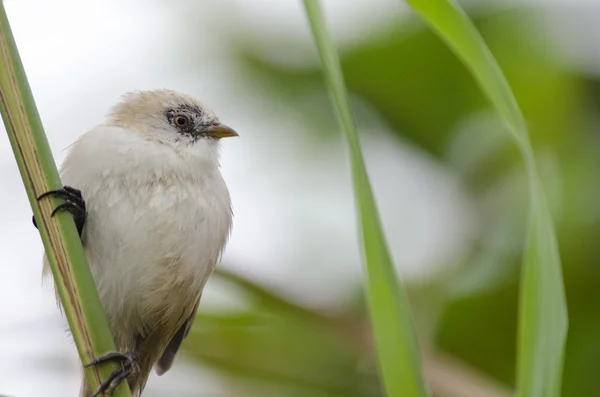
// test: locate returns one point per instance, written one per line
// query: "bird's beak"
(220, 131)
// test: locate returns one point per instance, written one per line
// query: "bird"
(154, 215)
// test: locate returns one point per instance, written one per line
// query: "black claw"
(113, 356)
(74, 203)
(129, 363)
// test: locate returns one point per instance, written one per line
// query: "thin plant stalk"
(391, 319)
(72, 276)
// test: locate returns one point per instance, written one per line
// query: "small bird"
(154, 215)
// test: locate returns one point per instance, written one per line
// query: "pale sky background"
(80, 56)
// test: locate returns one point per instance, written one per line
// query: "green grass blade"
(263, 297)
(543, 312)
(74, 281)
(395, 339)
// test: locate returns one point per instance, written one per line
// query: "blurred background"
(285, 314)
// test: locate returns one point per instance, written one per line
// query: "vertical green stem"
(72, 276)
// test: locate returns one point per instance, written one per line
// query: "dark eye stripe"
(181, 119)
(193, 119)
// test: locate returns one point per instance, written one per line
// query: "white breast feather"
(158, 219)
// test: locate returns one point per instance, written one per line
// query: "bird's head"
(169, 117)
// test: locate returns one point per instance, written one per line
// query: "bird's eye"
(181, 120)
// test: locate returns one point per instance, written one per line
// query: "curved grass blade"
(72, 276)
(543, 318)
(263, 296)
(397, 348)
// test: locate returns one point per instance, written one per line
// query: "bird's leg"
(74, 203)
(129, 362)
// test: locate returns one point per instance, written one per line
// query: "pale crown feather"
(142, 110)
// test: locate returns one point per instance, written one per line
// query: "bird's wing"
(166, 360)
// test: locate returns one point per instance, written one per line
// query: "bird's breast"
(157, 222)
(151, 246)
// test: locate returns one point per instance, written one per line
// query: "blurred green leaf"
(543, 312)
(422, 93)
(492, 334)
(263, 297)
(281, 351)
(405, 74)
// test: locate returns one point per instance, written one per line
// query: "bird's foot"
(129, 363)
(74, 203)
